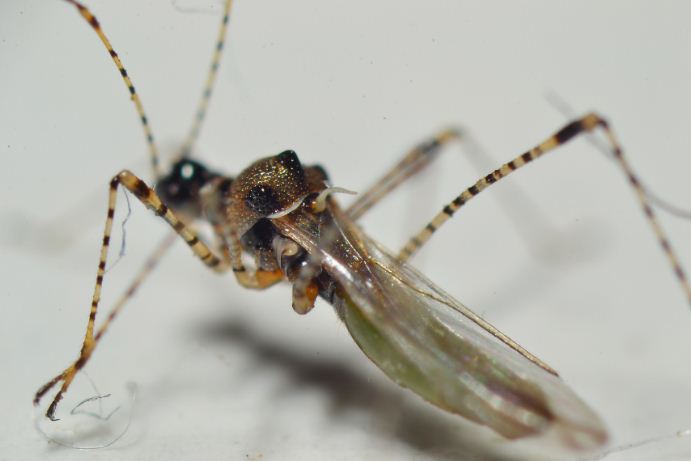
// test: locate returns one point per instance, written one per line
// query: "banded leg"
(584, 125)
(148, 197)
(131, 290)
(413, 162)
(149, 266)
(210, 81)
(134, 96)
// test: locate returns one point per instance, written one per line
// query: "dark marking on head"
(262, 200)
(269, 186)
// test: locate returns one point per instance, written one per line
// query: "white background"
(559, 256)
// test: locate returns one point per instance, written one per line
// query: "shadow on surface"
(431, 432)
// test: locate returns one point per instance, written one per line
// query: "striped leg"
(210, 81)
(149, 266)
(96, 26)
(586, 124)
(413, 162)
(148, 197)
(206, 94)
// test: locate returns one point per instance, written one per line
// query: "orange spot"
(312, 291)
(267, 278)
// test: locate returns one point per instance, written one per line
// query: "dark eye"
(182, 185)
(262, 200)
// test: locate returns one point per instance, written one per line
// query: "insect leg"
(149, 266)
(413, 162)
(148, 197)
(257, 279)
(144, 272)
(586, 124)
(231, 251)
(305, 289)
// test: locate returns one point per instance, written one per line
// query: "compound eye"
(262, 200)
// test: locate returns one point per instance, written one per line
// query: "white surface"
(224, 373)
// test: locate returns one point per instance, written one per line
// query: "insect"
(283, 215)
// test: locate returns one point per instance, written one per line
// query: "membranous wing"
(418, 336)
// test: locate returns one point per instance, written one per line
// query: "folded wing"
(417, 335)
